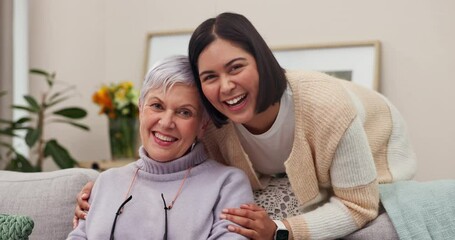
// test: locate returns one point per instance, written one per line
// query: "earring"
(193, 145)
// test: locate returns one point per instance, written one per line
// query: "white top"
(268, 151)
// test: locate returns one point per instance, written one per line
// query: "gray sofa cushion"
(49, 198)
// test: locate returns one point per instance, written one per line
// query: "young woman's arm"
(354, 201)
(355, 198)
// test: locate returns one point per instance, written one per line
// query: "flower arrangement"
(117, 100)
(119, 103)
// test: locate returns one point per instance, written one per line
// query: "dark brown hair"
(238, 30)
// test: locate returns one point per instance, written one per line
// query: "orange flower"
(102, 98)
(117, 100)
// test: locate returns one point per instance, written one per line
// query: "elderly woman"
(174, 191)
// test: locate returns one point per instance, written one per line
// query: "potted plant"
(41, 113)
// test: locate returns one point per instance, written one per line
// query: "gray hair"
(166, 73)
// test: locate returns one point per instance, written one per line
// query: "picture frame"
(358, 62)
(165, 44)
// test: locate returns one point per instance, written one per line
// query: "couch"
(48, 198)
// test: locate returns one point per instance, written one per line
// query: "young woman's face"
(229, 80)
(170, 123)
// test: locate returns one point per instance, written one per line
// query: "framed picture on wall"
(160, 45)
(358, 62)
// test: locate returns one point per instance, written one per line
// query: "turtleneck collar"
(191, 159)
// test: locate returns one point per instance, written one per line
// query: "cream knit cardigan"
(320, 170)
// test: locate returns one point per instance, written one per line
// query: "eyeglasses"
(119, 211)
(166, 208)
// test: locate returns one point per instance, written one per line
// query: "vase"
(123, 137)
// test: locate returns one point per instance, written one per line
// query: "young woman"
(335, 141)
(174, 191)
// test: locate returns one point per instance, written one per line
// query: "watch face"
(282, 235)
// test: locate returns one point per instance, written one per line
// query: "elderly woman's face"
(170, 123)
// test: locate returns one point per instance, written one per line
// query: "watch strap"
(280, 230)
(279, 224)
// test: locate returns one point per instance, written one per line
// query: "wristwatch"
(281, 232)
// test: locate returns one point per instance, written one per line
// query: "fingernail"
(224, 210)
(222, 216)
(85, 216)
(231, 228)
(84, 195)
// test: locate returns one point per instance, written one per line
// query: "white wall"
(6, 65)
(89, 42)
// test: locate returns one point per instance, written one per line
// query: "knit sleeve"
(211, 142)
(401, 157)
(355, 196)
(235, 191)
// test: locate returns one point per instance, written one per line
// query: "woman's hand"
(82, 203)
(254, 221)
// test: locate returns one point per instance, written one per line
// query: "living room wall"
(6, 40)
(90, 42)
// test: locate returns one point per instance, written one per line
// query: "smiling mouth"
(163, 137)
(235, 101)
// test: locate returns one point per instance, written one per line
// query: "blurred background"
(93, 42)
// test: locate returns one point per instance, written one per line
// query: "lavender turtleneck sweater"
(208, 189)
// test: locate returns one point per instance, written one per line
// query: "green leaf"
(22, 120)
(32, 103)
(39, 72)
(24, 108)
(6, 121)
(49, 76)
(73, 112)
(52, 77)
(82, 126)
(53, 102)
(32, 136)
(7, 132)
(53, 96)
(20, 163)
(60, 155)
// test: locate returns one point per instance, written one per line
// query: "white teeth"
(235, 100)
(164, 138)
